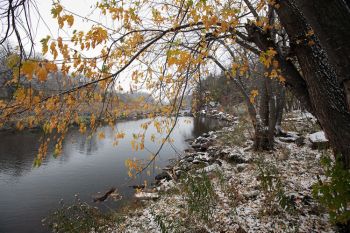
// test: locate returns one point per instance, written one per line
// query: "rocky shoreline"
(253, 192)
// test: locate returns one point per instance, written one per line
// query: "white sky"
(48, 25)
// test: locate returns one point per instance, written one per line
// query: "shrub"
(200, 195)
(334, 193)
(272, 186)
(79, 217)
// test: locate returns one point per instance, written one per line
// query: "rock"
(287, 139)
(238, 156)
(166, 185)
(319, 141)
(205, 146)
(189, 150)
(300, 141)
(218, 162)
(241, 167)
(178, 173)
(163, 175)
(184, 165)
(251, 194)
(196, 146)
(201, 140)
(115, 196)
(204, 157)
(225, 152)
(196, 161)
(146, 196)
(210, 168)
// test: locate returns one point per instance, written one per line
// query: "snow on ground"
(250, 189)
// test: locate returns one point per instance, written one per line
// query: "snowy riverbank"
(247, 191)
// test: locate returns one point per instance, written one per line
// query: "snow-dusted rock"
(210, 168)
(163, 175)
(146, 196)
(237, 155)
(318, 140)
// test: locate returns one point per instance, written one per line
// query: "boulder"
(319, 141)
(163, 175)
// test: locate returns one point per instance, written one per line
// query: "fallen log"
(104, 196)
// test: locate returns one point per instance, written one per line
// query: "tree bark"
(330, 20)
(280, 105)
(326, 95)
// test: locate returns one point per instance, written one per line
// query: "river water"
(86, 167)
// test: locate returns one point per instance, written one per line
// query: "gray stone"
(252, 194)
(319, 141)
(241, 167)
(146, 196)
(163, 175)
(238, 156)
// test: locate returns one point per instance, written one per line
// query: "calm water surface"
(86, 167)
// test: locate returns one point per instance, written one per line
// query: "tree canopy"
(166, 47)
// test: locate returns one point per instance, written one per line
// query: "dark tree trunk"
(294, 80)
(280, 105)
(261, 140)
(326, 95)
(267, 118)
(330, 20)
(272, 98)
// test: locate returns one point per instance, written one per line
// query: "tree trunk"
(294, 80)
(266, 120)
(326, 95)
(330, 20)
(280, 105)
(261, 140)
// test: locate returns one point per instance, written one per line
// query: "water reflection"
(86, 166)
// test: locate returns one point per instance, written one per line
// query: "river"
(86, 167)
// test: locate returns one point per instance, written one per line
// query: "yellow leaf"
(28, 68)
(253, 94)
(70, 20)
(56, 10)
(53, 50)
(42, 74)
(44, 45)
(101, 135)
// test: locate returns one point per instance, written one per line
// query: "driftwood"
(104, 196)
(142, 186)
